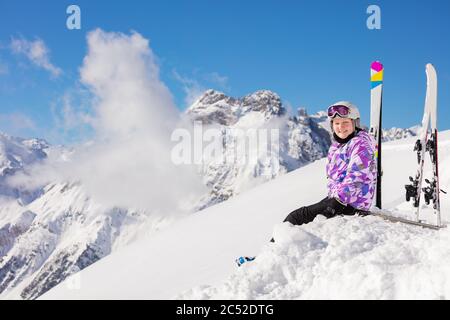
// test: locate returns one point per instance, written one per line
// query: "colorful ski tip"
(376, 74)
(376, 66)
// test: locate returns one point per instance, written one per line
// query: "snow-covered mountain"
(398, 133)
(347, 257)
(216, 107)
(60, 233)
(15, 155)
(300, 140)
(53, 232)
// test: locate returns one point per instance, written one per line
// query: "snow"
(360, 261)
(348, 257)
(59, 233)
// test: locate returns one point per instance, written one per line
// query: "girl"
(351, 168)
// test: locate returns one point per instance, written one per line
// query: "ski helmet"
(344, 109)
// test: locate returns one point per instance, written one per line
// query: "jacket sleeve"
(356, 186)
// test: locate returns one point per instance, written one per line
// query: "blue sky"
(311, 53)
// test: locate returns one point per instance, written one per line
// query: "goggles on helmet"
(340, 110)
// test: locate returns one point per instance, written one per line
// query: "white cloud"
(37, 52)
(72, 116)
(128, 163)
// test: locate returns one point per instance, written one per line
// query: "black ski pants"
(327, 207)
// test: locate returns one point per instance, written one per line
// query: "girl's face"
(343, 127)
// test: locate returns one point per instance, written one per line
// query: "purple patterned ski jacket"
(352, 171)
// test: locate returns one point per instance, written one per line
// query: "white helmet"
(344, 109)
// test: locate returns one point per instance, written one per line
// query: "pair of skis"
(427, 142)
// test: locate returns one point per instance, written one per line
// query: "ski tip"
(429, 66)
(376, 66)
(376, 74)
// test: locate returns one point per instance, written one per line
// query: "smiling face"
(343, 127)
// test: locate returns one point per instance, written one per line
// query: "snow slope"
(344, 257)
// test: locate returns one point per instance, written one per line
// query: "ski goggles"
(340, 110)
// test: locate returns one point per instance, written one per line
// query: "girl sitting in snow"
(351, 169)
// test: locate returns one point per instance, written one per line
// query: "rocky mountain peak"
(17, 152)
(216, 107)
(212, 97)
(264, 101)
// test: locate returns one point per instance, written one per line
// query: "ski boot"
(241, 260)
